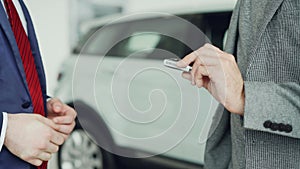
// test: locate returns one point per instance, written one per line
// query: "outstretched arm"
(266, 106)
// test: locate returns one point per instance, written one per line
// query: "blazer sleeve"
(272, 107)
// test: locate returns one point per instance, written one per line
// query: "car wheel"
(80, 151)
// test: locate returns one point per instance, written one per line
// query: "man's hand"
(61, 114)
(218, 72)
(32, 137)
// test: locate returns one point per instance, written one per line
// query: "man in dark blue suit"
(31, 128)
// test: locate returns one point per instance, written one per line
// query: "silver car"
(132, 111)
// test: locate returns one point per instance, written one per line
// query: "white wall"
(177, 5)
(51, 20)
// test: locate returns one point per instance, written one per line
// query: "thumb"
(54, 105)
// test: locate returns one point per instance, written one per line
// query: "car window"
(102, 40)
(140, 38)
(145, 45)
(141, 41)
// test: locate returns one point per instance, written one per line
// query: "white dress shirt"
(20, 12)
(24, 23)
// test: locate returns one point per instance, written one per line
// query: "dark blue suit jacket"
(14, 94)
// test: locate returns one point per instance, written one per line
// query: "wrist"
(241, 105)
(236, 105)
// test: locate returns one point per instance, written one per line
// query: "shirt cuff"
(3, 130)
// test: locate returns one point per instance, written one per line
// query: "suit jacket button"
(267, 124)
(282, 127)
(288, 128)
(274, 127)
(26, 105)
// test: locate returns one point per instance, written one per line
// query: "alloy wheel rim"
(79, 151)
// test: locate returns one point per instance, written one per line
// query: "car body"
(145, 108)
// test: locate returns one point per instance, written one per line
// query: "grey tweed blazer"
(271, 124)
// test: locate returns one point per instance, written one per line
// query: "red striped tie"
(32, 78)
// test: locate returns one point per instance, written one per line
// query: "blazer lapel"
(34, 46)
(269, 12)
(231, 41)
(4, 23)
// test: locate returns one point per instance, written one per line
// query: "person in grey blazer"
(256, 80)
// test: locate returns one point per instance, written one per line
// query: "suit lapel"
(30, 29)
(4, 23)
(34, 46)
(269, 12)
(231, 41)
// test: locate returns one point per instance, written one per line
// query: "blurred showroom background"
(59, 24)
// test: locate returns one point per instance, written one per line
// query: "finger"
(199, 83)
(210, 55)
(210, 72)
(66, 136)
(67, 129)
(57, 138)
(187, 76)
(206, 83)
(194, 71)
(47, 122)
(187, 60)
(44, 156)
(55, 105)
(203, 71)
(208, 58)
(210, 46)
(35, 162)
(52, 147)
(198, 78)
(67, 118)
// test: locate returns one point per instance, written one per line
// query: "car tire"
(80, 151)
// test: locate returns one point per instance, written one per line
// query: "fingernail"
(57, 107)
